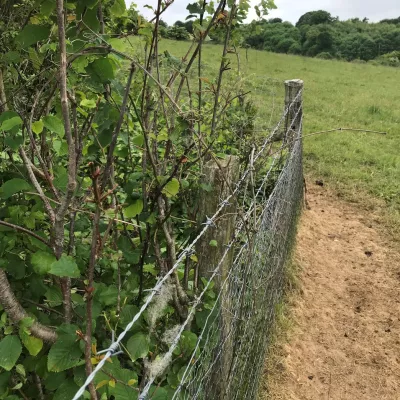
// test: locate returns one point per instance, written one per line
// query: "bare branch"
(111, 148)
(36, 184)
(27, 231)
(16, 312)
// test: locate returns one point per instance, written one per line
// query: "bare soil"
(345, 338)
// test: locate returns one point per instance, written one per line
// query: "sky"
(292, 10)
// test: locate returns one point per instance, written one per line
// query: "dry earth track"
(345, 338)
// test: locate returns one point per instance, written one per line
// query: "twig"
(39, 385)
(223, 67)
(36, 184)
(111, 148)
(27, 231)
(44, 307)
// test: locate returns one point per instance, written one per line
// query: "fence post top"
(294, 82)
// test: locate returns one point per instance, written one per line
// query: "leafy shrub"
(391, 59)
(325, 56)
(177, 33)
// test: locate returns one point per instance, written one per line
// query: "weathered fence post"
(222, 177)
(294, 116)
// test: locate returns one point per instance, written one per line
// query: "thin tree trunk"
(3, 98)
(71, 186)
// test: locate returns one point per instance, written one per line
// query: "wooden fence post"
(210, 250)
(221, 178)
(294, 116)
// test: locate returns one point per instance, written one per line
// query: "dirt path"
(345, 343)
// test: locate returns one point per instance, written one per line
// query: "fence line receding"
(226, 360)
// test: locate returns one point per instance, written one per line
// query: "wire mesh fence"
(237, 333)
(226, 358)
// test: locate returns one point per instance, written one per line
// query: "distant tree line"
(316, 34)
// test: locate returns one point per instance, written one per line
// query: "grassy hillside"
(361, 166)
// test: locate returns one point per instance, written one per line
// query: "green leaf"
(146, 32)
(171, 188)
(131, 255)
(118, 8)
(134, 209)
(8, 124)
(54, 296)
(47, 7)
(66, 390)
(37, 127)
(118, 44)
(34, 57)
(105, 137)
(123, 392)
(7, 115)
(102, 69)
(10, 350)
(65, 266)
(19, 368)
(60, 147)
(201, 318)
(54, 380)
(127, 314)
(32, 34)
(13, 142)
(60, 178)
(42, 262)
(33, 344)
(162, 136)
(213, 243)
(13, 186)
(138, 140)
(26, 322)
(138, 346)
(90, 18)
(64, 354)
(4, 377)
(89, 103)
(54, 124)
(187, 343)
(89, 3)
(108, 295)
(158, 393)
(150, 269)
(11, 56)
(194, 8)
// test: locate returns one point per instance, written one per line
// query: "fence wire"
(237, 335)
(228, 357)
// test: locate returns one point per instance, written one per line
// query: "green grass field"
(363, 167)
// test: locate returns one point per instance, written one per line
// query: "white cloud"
(292, 10)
